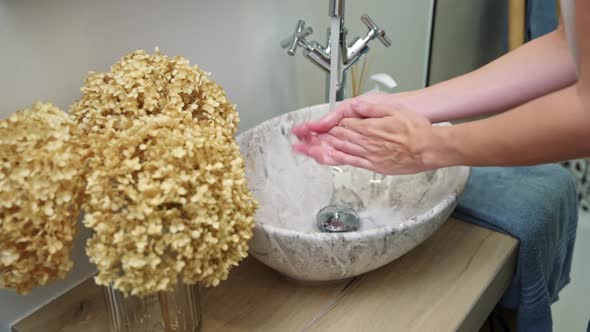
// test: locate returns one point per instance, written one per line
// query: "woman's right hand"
(379, 137)
(343, 110)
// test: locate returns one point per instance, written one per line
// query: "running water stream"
(334, 59)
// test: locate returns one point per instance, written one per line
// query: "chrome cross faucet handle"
(298, 37)
(374, 30)
(360, 45)
(349, 53)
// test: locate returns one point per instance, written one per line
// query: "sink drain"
(337, 219)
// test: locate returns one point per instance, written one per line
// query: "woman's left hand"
(391, 141)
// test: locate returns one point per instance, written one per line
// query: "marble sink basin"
(396, 213)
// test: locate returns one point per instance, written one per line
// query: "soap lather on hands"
(372, 132)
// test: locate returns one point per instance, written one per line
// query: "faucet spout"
(348, 54)
(336, 8)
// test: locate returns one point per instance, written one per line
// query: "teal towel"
(541, 18)
(538, 206)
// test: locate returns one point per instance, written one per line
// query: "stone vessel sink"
(396, 213)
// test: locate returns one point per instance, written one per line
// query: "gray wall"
(467, 35)
(48, 46)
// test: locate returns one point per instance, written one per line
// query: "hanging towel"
(541, 18)
(538, 206)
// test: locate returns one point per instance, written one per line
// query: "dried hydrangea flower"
(40, 185)
(166, 192)
(143, 84)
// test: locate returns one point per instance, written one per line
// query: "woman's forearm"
(535, 69)
(551, 128)
(548, 129)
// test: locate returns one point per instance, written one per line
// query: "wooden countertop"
(449, 283)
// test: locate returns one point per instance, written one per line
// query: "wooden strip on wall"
(516, 23)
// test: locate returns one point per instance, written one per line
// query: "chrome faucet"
(349, 53)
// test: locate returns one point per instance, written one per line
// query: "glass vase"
(175, 311)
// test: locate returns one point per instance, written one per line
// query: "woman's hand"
(384, 138)
(344, 110)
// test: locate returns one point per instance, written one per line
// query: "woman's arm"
(535, 69)
(399, 141)
(394, 140)
(583, 44)
(552, 128)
